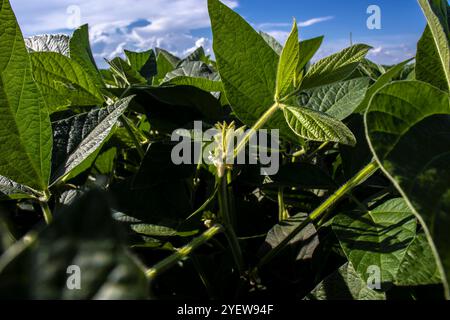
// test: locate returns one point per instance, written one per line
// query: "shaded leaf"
(418, 266)
(83, 235)
(344, 284)
(143, 62)
(378, 237)
(408, 127)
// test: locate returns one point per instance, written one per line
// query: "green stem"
(359, 178)
(258, 125)
(133, 136)
(183, 253)
(228, 225)
(46, 212)
(282, 212)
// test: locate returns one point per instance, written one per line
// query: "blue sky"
(182, 25)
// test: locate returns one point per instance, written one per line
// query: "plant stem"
(282, 212)
(227, 221)
(46, 212)
(132, 135)
(359, 178)
(182, 253)
(258, 125)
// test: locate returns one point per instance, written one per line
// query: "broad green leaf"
(143, 62)
(63, 82)
(384, 79)
(287, 65)
(83, 235)
(336, 67)
(49, 43)
(124, 71)
(173, 60)
(418, 266)
(196, 74)
(272, 42)
(435, 40)
(105, 161)
(197, 55)
(308, 49)
(317, 126)
(247, 66)
(76, 138)
(25, 130)
(408, 127)
(164, 66)
(338, 100)
(344, 284)
(302, 246)
(429, 67)
(377, 238)
(80, 51)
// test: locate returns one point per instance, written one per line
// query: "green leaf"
(418, 266)
(429, 66)
(272, 42)
(76, 138)
(308, 49)
(25, 130)
(63, 82)
(12, 190)
(378, 237)
(197, 55)
(49, 43)
(125, 72)
(408, 127)
(80, 51)
(83, 235)
(338, 100)
(105, 161)
(435, 40)
(336, 67)
(317, 126)
(344, 284)
(196, 74)
(382, 80)
(247, 66)
(173, 60)
(143, 62)
(287, 65)
(164, 66)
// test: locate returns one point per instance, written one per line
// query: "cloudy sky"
(182, 25)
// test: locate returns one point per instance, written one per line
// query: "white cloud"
(314, 21)
(301, 24)
(113, 24)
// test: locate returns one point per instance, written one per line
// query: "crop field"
(254, 172)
